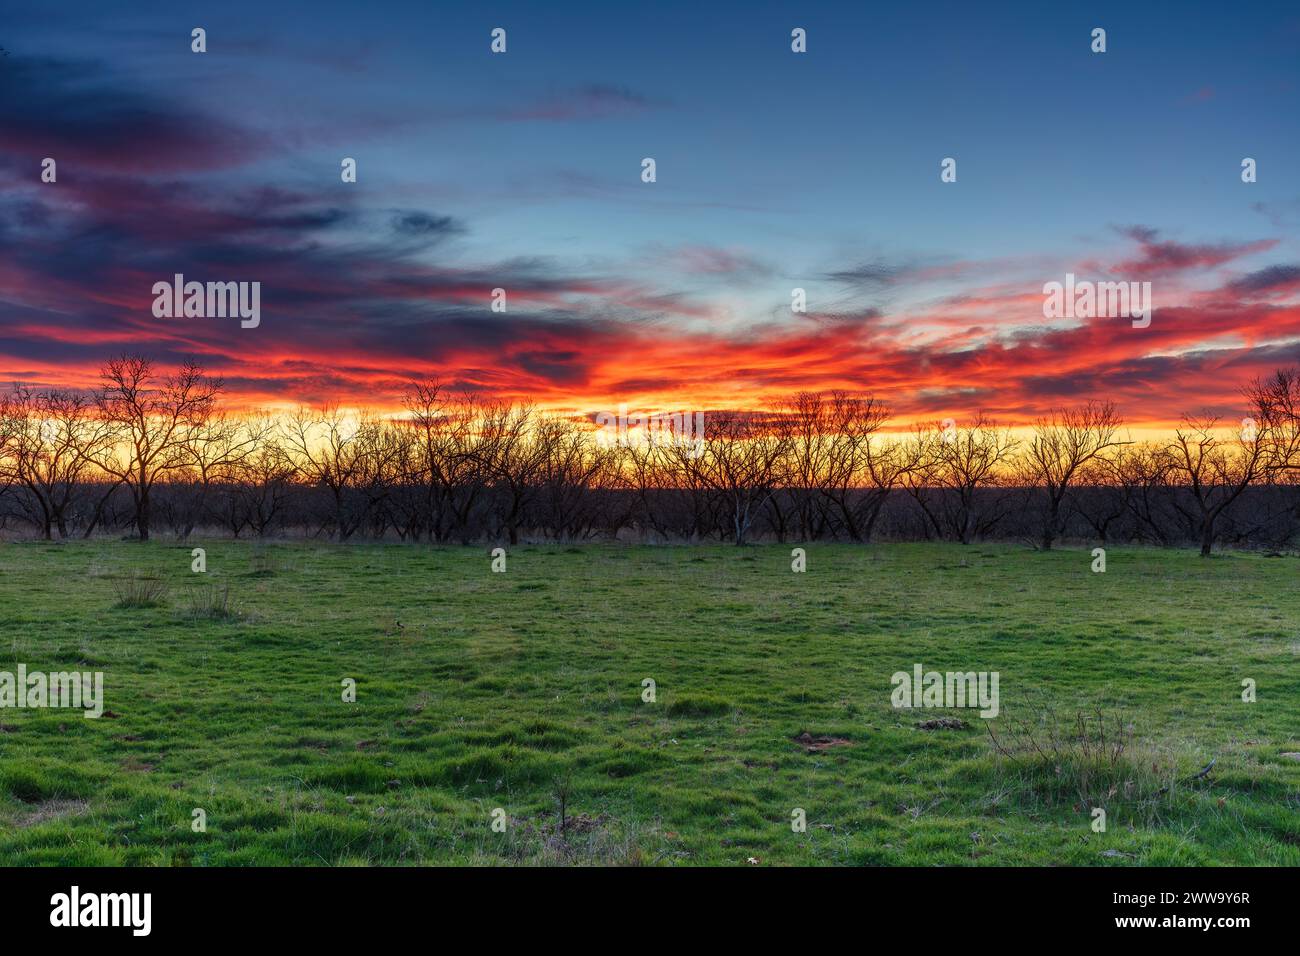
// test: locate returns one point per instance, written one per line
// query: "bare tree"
(1214, 470)
(512, 452)
(806, 421)
(149, 446)
(427, 407)
(153, 420)
(1142, 473)
(10, 428)
(450, 458)
(743, 460)
(959, 462)
(263, 484)
(216, 449)
(650, 472)
(1063, 443)
(861, 469)
(350, 455)
(1099, 499)
(573, 468)
(53, 439)
(1275, 405)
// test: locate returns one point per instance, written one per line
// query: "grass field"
(523, 691)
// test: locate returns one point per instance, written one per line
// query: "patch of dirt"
(942, 723)
(1291, 756)
(820, 743)
(51, 810)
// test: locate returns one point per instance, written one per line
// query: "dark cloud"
(877, 273)
(1143, 234)
(1165, 257)
(356, 300)
(423, 225)
(85, 117)
(1268, 278)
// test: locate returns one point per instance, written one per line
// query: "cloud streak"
(360, 296)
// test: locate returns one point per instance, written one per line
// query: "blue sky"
(774, 169)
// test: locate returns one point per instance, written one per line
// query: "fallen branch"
(1196, 776)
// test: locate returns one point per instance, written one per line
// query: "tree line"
(148, 450)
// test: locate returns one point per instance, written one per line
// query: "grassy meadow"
(523, 691)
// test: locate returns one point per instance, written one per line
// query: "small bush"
(140, 591)
(1087, 759)
(211, 603)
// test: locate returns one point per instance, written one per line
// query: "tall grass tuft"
(211, 602)
(1085, 758)
(137, 590)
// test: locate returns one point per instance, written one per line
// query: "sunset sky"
(775, 170)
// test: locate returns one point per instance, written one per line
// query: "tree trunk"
(1052, 527)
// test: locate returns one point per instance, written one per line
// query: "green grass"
(512, 690)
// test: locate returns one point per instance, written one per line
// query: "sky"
(774, 170)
